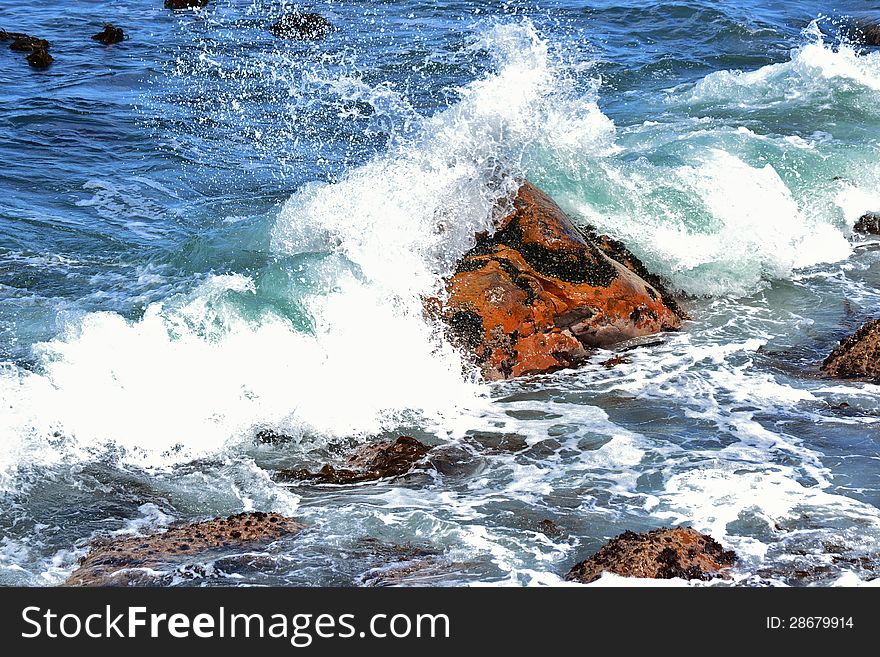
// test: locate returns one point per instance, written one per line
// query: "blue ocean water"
(207, 231)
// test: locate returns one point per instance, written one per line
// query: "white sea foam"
(720, 207)
(817, 67)
(194, 376)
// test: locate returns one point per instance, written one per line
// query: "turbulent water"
(206, 232)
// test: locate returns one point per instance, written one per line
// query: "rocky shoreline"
(536, 296)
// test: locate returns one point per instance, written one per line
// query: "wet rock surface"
(304, 26)
(858, 356)
(868, 34)
(38, 49)
(868, 224)
(539, 293)
(40, 59)
(25, 43)
(550, 529)
(185, 4)
(369, 462)
(109, 35)
(614, 361)
(658, 554)
(270, 437)
(124, 561)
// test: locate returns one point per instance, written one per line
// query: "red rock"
(539, 293)
(658, 554)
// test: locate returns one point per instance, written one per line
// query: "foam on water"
(712, 197)
(816, 68)
(194, 376)
(678, 434)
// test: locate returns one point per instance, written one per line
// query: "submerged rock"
(11, 36)
(122, 561)
(858, 356)
(110, 35)
(40, 58)
(868, 223)
(550, 528)
(367, 463)
(25, 43)
(539, 293)
(185, 4)
(305, 26)
(614, 361)
(658, 554)
(37, 49)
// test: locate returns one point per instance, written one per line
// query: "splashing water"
(302, 310)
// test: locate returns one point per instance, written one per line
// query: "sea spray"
(715, 200)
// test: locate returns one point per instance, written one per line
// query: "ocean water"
(206, 232)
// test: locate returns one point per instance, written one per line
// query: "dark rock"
(550, 528)
(110, 562)
(37, 49)
(868, 223)
(25, 43)
(614, 361)
(306, 26)
(185, 4)
(868, 34)
(270, 437)
(40, 58)
(367, 463)
(858, 356)
(539, 293)
(500, 443)
(658, 554)
(455, 461)
(110, 35)
(12, 36)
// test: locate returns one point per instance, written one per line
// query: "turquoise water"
(207, 232)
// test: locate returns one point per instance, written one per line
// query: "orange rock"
(536, 295)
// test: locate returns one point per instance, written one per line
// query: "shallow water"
(207, 232)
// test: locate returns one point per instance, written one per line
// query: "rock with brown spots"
(658, 554)
(539, 293)
(858, 356)
(123, 561)
(868, 224)
(367, 463)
